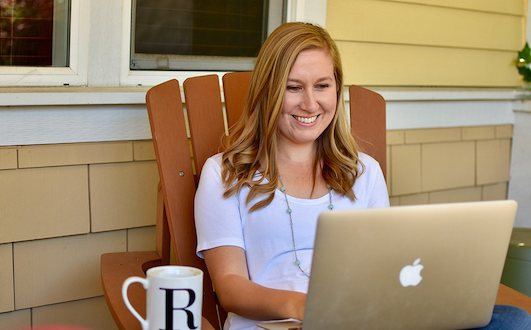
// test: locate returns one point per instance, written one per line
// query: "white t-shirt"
(265, 234)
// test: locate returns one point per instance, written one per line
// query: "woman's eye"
(293, 88)
(322, 86)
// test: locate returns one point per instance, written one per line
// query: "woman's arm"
(227, 267)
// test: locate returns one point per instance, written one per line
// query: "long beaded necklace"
(289, 211)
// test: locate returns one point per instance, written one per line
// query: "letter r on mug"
(170, 308)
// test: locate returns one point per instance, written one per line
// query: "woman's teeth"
(306, 120)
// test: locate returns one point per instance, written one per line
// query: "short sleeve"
(217, 219)
(378, 196)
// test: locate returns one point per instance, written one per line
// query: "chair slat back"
(205, 117)
(205, 120)
(172, 151)
(367, 122)
(235, 90)
(162, 229)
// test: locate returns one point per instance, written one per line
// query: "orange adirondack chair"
(175, 223)
(179, 170)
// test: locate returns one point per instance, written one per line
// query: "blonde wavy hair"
(252, 144)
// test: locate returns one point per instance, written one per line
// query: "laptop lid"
(428, 266)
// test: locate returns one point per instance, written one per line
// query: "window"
(44, 42)
(34, 33)
(200, 35)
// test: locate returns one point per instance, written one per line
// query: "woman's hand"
(297, 306)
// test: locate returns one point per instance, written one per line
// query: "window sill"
(28, 96)
(42, 96)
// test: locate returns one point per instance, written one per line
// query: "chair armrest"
(508, 296)
(115, 269)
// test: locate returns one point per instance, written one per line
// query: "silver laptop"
(410, 267)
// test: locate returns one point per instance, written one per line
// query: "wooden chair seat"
(511, 297)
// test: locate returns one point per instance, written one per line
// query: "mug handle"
(129, 281)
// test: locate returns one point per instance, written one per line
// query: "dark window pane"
(5, 47)
(34, 32)
(6, 8)
(199, 31)
(207, 27)
(32, 28)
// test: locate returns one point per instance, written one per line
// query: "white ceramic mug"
(174, 297)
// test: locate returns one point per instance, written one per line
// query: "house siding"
(428, 43)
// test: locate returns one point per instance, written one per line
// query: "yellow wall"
(428, 42)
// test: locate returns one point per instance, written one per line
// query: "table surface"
(508, 296)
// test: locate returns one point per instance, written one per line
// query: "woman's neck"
(301, 177)
(296, 154)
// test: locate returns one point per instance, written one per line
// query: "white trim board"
(71, 124)
(519, 188)
(73, 96)
(24, 125)
(27, 96)
(426, 114)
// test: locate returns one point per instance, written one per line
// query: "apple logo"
(410, 274)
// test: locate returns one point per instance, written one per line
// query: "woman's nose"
(309, 101)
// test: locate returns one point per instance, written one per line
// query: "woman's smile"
(306, 121)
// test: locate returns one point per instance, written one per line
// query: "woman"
(290, 157)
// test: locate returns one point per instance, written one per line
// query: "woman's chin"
(307, 140)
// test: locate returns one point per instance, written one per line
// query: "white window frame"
(297, 10)
(75, 74)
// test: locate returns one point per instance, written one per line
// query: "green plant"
(523, 63)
